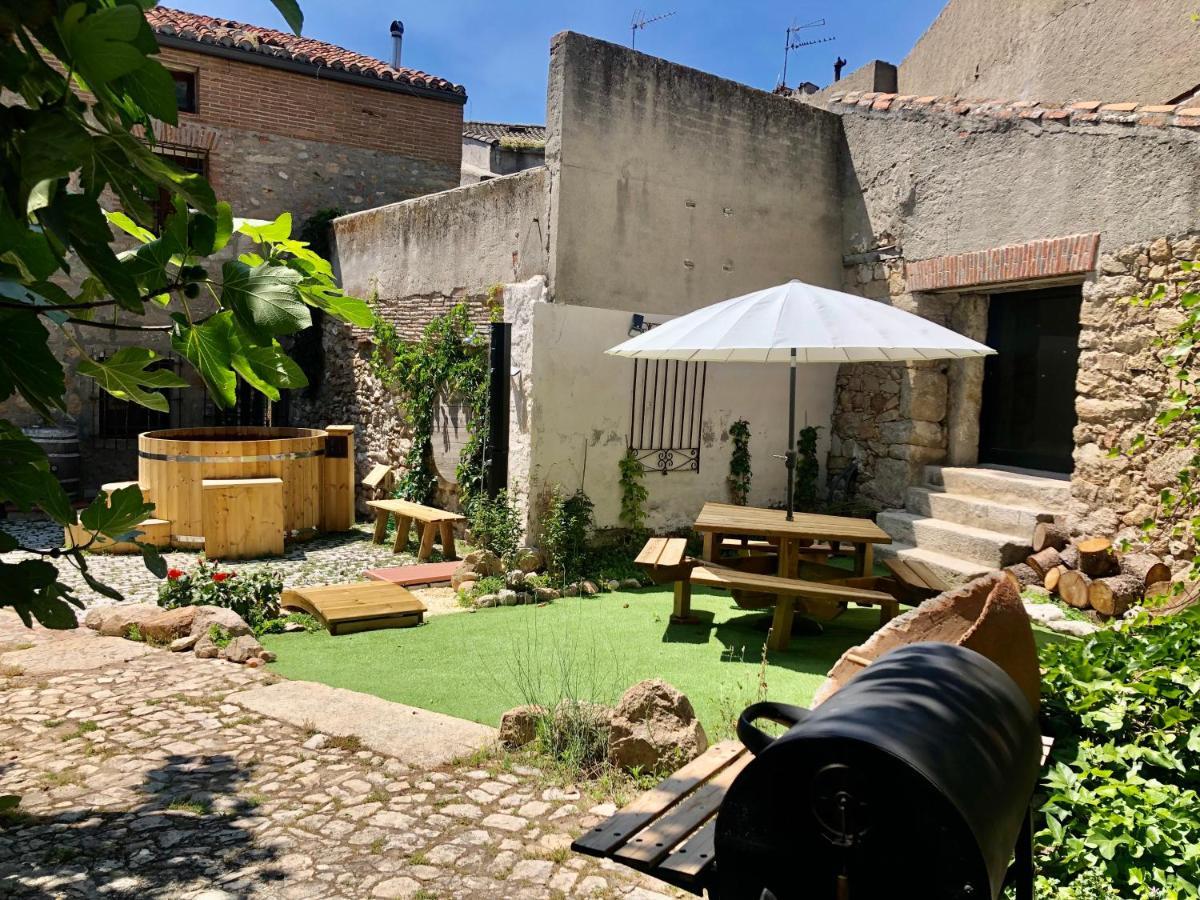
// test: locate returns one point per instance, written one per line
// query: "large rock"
(208, 616)
(242, 648)
(530, 560)
(475, 565)
(169, 625)
(653, 728)
(518, 726)
(115, 621)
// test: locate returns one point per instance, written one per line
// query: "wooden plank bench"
(665, 560)
(918, 580)
(790, 590)
(434, 522)
(360, 606)
(669, 831)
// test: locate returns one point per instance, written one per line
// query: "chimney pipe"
(397, 42)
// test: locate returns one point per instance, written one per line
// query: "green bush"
(496, 526)
(633, 491)
(805, 493)
(740, 474)
(1124, 710)
(565, 530)
(252, 595)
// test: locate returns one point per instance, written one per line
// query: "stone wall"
(1121, 386)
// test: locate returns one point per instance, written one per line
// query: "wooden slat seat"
(793, 589)
(662, 552)
(918, 579)
(435, 522)
(665, 560)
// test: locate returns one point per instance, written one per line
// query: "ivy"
(633, 492)
(807, 469)
(740, 474)
(565, 531)
(450, 359)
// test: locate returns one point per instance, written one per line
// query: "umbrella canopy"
(820, 325)
(799, 323)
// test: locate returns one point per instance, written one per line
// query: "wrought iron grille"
(667, 414)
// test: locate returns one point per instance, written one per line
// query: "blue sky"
(500, 50)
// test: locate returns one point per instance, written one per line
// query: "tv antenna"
(640, 22)
(793, 42)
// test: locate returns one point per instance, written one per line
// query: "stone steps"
(1016, 487)
(963, 509)
(993, 549)
(951, 568)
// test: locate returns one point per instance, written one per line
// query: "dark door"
(1028, 413)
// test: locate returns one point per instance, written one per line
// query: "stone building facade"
(277, 123)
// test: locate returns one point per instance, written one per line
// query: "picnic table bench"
(669, 831)
(434, 522)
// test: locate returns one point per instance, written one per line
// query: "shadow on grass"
(191, 822)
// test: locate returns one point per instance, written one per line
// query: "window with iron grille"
(667, 414)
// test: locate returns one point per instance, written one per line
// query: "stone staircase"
(963, 522)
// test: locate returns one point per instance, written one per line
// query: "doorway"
(1027, 417)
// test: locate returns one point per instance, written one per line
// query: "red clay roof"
(282, 45)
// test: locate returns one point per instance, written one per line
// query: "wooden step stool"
(242, 517)
(360, 606)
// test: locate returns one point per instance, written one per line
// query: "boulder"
(518, 726)
(515, 579)
(508, 598)
(631, 584)
(485, 562)
(654, 728)
(589, 588)
(205, 648)
(613, 585)
(242, 648)
(545, 594)
(169, 625)
(208, 616)
(465, 587)
(487, 601)
(114, 621)
(187, 642)
(530, 560)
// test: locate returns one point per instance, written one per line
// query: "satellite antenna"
(640, 22)
(793, 42)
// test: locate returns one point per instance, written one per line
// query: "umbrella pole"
(790, 458)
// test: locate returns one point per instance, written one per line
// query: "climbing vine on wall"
(807, 468)
(450, 358)
(740, 474)
(633, 492)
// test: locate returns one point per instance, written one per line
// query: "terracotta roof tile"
(257, 39)
(498, 132)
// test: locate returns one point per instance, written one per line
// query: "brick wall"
(274, 101)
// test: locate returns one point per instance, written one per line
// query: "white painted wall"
(573, 404)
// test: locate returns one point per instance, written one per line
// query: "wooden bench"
(665, 560)
(434, 522)
(242, 517)
(917, 579)
(790, 590)
(669, 831)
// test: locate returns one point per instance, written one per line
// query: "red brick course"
(1048, 258)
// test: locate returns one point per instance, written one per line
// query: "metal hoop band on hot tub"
(266, 457)
(197, 540)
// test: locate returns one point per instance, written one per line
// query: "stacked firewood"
(1088, 573)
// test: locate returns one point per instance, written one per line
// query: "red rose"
(219, 576)
(174, 574)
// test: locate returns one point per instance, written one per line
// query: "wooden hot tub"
(173, 463)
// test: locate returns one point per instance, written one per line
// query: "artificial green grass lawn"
(471, 664)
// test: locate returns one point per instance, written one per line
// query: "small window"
(185, 91)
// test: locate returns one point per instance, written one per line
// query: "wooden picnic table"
(434, 521)
(721, 520)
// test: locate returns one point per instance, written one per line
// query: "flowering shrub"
(252, 595)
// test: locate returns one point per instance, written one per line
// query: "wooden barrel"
(173, 463)
(62, 448)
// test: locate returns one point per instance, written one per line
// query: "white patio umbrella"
(799, 323)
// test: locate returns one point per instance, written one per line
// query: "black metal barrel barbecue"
(912, 781)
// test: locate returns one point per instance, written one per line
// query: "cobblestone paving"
(328, 558)
(143, 781)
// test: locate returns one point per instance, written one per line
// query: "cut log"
(1145, 567)
(1069, 557)
(1022, 576)
(1096, 557)
(1073, 588)
(1043, 561)
(1113, 596)
(1052, 578)
(1047, 534)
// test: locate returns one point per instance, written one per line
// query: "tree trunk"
(1113, 596)
(1070, 557)
(1073, 588)
(1145, 567)
(1047, 534)
(1043, 561)
(1053, 577)
(1170, 602)
(1096, 557)
(1022, 576)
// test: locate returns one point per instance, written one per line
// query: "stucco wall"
(876, 75)
(1118, 50)
(674, 188)
(571, 421)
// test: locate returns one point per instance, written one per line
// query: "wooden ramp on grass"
(361, 606)
(412, 576)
